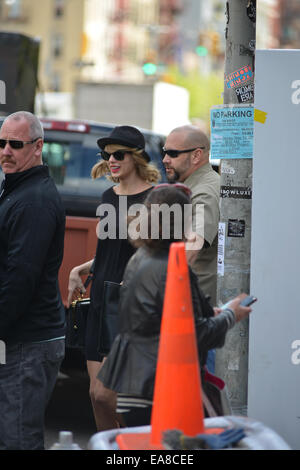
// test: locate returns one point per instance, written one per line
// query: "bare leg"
(103, 400)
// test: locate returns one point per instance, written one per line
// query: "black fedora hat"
(125, 135)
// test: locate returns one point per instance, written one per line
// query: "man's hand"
(193, 245)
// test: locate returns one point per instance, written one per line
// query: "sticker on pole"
(221, 248)
(232, 131)
(245, 93)
(239, 77)
(236, 228)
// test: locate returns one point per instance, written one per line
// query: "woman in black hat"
(125, 162)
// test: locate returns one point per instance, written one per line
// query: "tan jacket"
(205, 186)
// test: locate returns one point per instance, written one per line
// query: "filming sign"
(232, 131)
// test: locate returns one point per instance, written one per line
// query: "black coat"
(131, 364)
(32, 224)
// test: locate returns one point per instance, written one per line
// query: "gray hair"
(35, 127)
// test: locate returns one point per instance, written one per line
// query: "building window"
(59, 8)
(55, 82)
(57, 45)
(14, 8)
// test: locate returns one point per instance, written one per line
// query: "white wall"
(274, 366)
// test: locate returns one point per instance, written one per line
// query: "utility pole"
(235, 212)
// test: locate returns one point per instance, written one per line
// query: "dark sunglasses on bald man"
(118, 155)
(175, 153)
(16, 144)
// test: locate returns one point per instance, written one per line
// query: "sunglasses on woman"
(16, 144)
(180, 186)
(118, 155)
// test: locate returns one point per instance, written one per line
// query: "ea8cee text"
(175, 459)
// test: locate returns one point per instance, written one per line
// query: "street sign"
(274, 335)
(232, 131)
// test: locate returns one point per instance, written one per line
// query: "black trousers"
(137, 417)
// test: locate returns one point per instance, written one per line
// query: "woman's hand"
(75, 285)
(217, 311)
(240, 312)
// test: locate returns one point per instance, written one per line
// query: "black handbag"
(76, 323)
(76, 319)
(109, 319)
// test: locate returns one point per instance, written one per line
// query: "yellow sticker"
(260, 116)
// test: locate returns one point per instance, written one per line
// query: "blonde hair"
(146, 171)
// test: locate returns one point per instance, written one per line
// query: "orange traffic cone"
(177, 402)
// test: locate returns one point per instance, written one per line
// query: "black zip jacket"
(32, 225)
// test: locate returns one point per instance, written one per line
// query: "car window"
(56, 156)
(70, 165)
(154, 144)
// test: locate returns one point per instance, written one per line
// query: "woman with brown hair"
(130, 367)
(125, 162)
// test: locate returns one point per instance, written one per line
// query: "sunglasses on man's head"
(180, 186)
(118, 155)
(175, 153)
(16, 144)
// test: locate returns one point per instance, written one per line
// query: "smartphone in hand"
(246, 302)
(249, 300)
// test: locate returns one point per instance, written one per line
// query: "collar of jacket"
(12, 180)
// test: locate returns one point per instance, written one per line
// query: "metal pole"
(232, 359)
